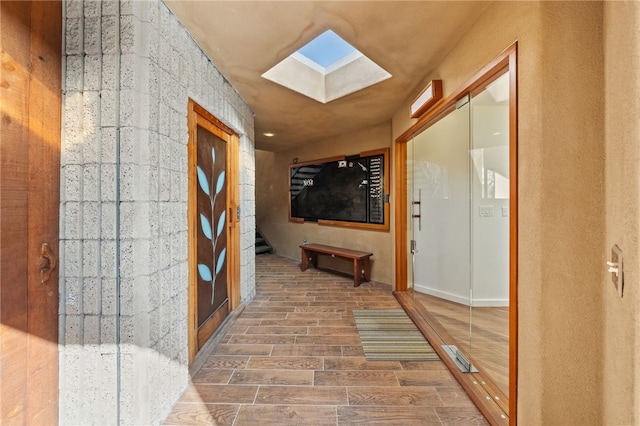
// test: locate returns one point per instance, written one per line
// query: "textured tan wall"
(272, 191)
(579, 193)
(621, 329)
(562, 203)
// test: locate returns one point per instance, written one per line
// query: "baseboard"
(477, 303)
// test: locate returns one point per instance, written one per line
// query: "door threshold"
(213, 342)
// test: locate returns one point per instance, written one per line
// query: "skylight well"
(326, 68)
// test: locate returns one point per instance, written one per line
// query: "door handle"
(48, 262)
(419, 204)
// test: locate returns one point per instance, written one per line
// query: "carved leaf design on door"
(204, 271)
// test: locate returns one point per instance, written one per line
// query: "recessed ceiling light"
(269, 134)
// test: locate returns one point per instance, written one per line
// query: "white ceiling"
(246, 38)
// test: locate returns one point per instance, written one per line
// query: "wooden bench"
(361, 262)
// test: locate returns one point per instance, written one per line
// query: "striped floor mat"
(390, 335)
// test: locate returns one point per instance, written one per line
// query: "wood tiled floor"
(293, 357)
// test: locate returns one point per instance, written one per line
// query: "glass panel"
(490, 230)
(439, 192)
(212, 220)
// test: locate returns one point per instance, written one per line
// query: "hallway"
(294, 357)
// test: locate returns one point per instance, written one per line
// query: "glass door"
(490, 192)
(438, 193)
(458, 206)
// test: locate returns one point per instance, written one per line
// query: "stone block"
(107, 331)
(90, 258)
(92, 72)
(92, 9)
(71, 183)
(90, 220)
(70, 406)
(154, 192)
(165, 252)
(74, 36)
(129, 179)
(108, 145)
(72, 266)
(108, 184)
(164, 119)
(92, 333)
(108, 108)
(164, 187)
(141, 258)
(74, 9)
(109, 72)
(134, 72)
(72, 296)
(110, 32)
(74, 77)
(109, 297)
(108, 258)
(134, 35)
(91, 182)
(131, 103)
(154, 249)
(99, 407)
(108, 220)
(91, 297)
(92, 35)
(73, 332)
(164, 285)
(110, 7)
(71, 220)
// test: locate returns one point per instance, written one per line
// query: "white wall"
(441, 180)
(130, 68)
(490, 231)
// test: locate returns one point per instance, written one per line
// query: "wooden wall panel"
(30, 90)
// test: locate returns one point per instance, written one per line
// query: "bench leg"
(361, 271)
(304, 264)
(308, 257)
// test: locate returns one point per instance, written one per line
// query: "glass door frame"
(479, 387)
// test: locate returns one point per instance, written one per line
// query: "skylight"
(326, 68)
(326, 49)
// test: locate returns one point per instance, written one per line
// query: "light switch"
(505, 211)
(486, 211)
(616, 268)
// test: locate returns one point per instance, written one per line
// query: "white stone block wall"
(130, 68)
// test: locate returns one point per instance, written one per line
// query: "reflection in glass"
(458, 194)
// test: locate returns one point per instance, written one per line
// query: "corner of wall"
(130, 68)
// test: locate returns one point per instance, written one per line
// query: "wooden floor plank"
(272, 377)
(266, 371)
(305, 395)
(355, 378)
(202, 414)
(261, 415)
(386, 395)
(400, 416)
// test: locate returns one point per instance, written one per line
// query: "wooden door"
(30, 91)
(213, 217)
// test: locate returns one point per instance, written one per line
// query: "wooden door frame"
(506, 61)
(198, 116)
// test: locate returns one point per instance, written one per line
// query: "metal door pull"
(48, 263)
